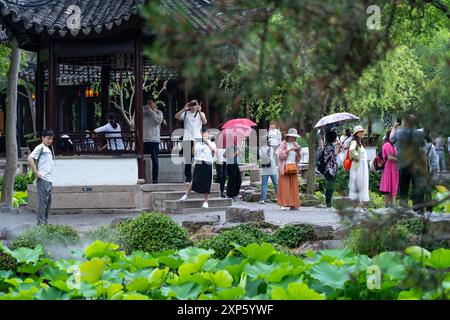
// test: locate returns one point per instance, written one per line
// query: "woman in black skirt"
(203, 160)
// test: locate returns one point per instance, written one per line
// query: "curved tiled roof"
(51, 15)
(28, 20)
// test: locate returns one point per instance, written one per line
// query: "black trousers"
(234, 180)
(187, 154)
(407, 176)
(152, 148)
(221, 171)
(329, 190)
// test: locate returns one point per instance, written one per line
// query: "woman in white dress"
(359, 172)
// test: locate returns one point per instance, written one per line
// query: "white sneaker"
(183, 198)
(262, 202)
(205, 205)
(284, 208)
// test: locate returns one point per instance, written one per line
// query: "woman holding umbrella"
(288, 158)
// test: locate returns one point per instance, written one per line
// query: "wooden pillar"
(205, 107)
(52, 102)
(105, 81)
(170, 112)
(138, 65)
(39, 79)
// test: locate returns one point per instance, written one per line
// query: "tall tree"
(10, 128)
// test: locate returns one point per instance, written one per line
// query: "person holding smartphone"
(193, 119)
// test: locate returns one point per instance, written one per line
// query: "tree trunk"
(311, 175)
(11, 123)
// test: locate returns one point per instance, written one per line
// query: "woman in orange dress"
(289, 156)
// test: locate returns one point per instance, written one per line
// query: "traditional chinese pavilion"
(80, 43)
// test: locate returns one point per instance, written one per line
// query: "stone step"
(157, 198)
(196, 203)
(171, 187)
(195, 210)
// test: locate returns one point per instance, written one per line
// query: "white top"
(291, 154)
(113, 144)
(448, 144)
(45, 164)
(192, 125)
(219, 156)
(203, 152)
(274, 137)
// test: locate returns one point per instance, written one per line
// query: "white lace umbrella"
(337, 119)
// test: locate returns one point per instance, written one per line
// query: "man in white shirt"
(193, 119)
(43, 168)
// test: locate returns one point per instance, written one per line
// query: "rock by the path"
(321, 232)
(119, 220)
(239, 214)
(204, 232)
(194, 224)
(5, 234)
(327, 244)
(439, 227)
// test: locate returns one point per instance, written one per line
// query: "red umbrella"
(240, 121)
(233, 135)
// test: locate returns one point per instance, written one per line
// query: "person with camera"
(203, 160)
(268, 170)
(288, 158)
(193, 119)
(153, 118)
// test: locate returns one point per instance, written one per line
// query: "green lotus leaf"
(51, 294)
(100, 249)
(171, 262)
(5, 274)
(53, 273)
(391, 265)
(260, 269)
(196, 263)
(157, 277)
(135, 296)
(418, 253)
(186, 291)
(91, 271)
(27, 255)
(257, 252)
(193, 252)
(139, 284)
(296, 291)
(329, 275)
(224, 294)
(413, 294)
(142, 260)
(113, 289)
(221, 279)
(440, 259)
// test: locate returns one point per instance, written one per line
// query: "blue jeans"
(441, 156)
(264, 183)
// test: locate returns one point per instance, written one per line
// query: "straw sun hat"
(292, 133)
(358, 129)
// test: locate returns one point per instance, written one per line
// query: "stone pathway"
(83, 222)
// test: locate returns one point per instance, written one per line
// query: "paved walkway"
(16, 222)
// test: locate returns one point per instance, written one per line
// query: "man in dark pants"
(411, 161)
(42, 169)
(152, 129)
(194, 119)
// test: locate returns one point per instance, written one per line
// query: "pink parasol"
(240, 121)
(233, 135)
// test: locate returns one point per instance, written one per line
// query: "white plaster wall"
(92, 172)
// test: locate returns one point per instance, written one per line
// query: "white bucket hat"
(357, 129)
(292, 132)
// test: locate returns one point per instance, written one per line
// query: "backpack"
(266, 161)
(379, 162)
(321, 165)
(347, 161)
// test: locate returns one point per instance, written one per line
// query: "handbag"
(290, 168)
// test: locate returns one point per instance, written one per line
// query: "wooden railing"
(76, 143)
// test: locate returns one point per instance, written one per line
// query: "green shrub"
(106, 233)
(47, 234)
(387, 238)
(243, 234)
(153, 232)
(293, 236)
(7, 262)
(376, 200)
(21, 182)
